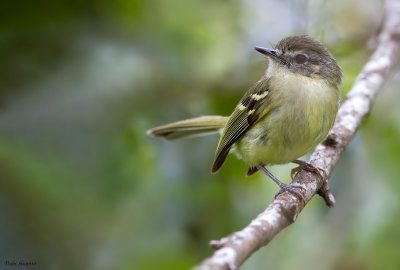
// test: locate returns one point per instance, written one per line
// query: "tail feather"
(198, 126)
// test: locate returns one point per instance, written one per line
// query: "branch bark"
(233, 250)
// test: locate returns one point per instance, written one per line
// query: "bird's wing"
(252, 107)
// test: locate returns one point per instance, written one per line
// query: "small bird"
(282, 116)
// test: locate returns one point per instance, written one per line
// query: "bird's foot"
(308, 167)
(291, 189)
(324, 191)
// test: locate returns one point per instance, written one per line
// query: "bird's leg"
(308, 167)
(283, 186)
(270, 175)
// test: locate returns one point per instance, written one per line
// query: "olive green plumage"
(282, 116)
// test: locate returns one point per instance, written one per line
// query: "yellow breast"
(301, 113)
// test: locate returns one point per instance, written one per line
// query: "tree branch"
(234, 249)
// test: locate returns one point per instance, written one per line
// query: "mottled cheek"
(316, 68)
(300, 70)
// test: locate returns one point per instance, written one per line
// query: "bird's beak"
(268, 52)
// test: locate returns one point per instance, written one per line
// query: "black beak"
(268, 52)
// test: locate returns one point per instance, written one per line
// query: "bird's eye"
(300, 58)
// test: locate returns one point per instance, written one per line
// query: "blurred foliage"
(83, 187)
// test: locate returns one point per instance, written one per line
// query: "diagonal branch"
(234, 249)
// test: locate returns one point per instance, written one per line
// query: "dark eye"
(300, 58)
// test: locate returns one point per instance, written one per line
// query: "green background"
(83, 187)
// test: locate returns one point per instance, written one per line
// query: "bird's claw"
(308, 167)
(292, 190)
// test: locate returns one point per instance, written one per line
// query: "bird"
(282, 116)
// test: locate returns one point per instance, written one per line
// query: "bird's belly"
(289, 131)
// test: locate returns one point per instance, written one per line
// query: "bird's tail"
(198, 126)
